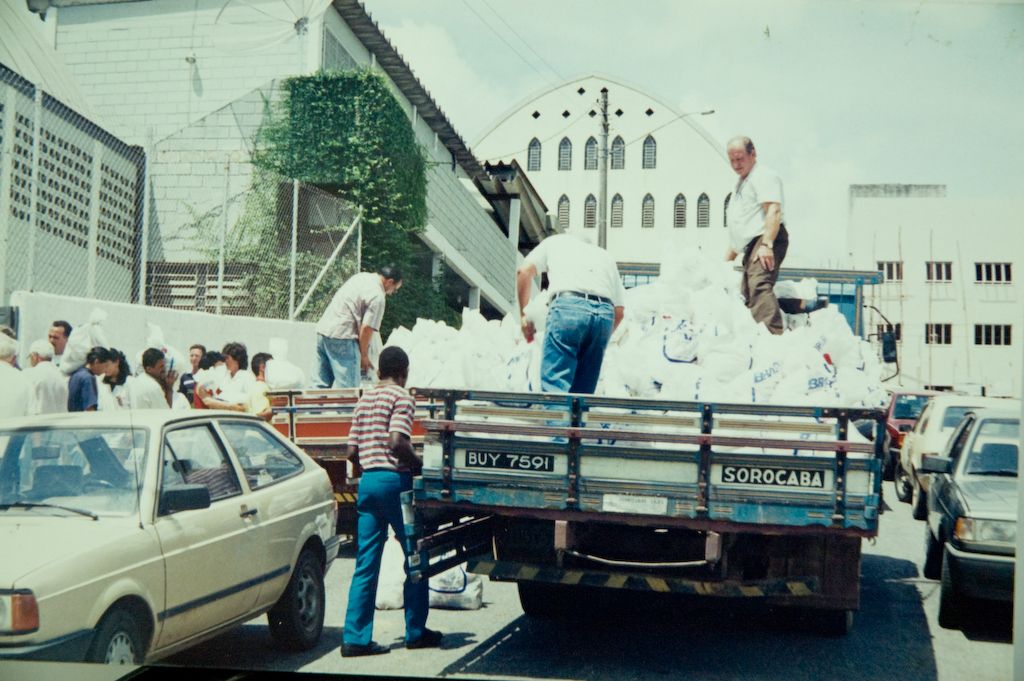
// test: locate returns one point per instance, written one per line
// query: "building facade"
(950, 286)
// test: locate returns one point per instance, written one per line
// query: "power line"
(568, 125)
(669, 122)
(523, 40)
(507, 43)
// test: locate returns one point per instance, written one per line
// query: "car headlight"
(19, 612)
(986, 531)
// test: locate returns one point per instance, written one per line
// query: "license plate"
(543, 463)
(769, 476)
(634, 503)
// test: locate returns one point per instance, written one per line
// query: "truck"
(563, 494)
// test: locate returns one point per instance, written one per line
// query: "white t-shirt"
(575, 265)
(14, 393)
(49, 389)
(145, 393)
(359, 302)
(237, 389)
(745, 215)
(113, 398)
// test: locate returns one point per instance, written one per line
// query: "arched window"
(617, 211)
(565, 154)
(563, 212)
(703, 211)
(725, 210)
(647, 216)
(590, 212)
(590, 155)
(618, 153)
(533, 155)
(650, 153)
(679, 213)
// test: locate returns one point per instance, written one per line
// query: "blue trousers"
(577, 333)
(337, 362)
(378, 506)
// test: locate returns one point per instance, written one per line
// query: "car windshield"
(74, 471)
(953, 416)
(995, 448)
(909, 406)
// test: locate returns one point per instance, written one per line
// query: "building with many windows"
(948, 292)
(669, 180)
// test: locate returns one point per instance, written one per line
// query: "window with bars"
(895, 329)
(650, 153)
(647, 214)
(725, 210)
(992, 334)
(993, 272)
(892, 270)
(617, 211)
(679, 212)
(703, 211)
(939, 271)
(590, 155)
(590, 212)
(533, 156)
(618, 153)
(563, 212)
(565, 154)
(938, 334)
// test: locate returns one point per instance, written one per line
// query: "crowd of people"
(228, 379)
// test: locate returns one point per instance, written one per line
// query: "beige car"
(129, 536)
(937, 422)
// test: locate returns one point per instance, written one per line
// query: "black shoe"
(429, 639)
(812, 305)
(356, 650)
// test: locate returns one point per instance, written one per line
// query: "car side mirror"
(936, 464)
(888, 347)
(184, 498)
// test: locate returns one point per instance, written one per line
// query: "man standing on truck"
(586, 306)
(347, 326)
(757, 230)
(380, 440)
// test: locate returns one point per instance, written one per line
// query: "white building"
(668, 178)
(189, 80)
(949, 290)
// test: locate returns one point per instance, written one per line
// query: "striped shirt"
(384, 409)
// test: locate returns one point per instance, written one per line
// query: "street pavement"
(650, 636)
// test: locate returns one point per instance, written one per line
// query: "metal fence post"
(33, 224)
(147, 221)
(96, 178)
(223, 237)
(295, 239)
(6, 181)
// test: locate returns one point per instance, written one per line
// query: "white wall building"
(668, 178)
(951, 286)
(187, 79)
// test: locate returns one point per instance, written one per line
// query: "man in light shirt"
(58, 336)
(587, 305)
(48, 386)
(14, 394)
(154, 387)
(346, 328)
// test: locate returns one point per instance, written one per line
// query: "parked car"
(128, 536)
(929, 435)
(901, 415)
(971, 533)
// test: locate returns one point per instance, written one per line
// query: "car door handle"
(248, 512)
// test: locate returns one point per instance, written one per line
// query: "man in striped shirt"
(380, 440)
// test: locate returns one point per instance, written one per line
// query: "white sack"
(84, 338)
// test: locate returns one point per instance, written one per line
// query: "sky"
(833, 92)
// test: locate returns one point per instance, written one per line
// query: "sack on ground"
(456, 589)
(391, 583)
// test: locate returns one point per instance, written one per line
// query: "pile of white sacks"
(687, 337)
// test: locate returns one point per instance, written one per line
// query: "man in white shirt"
(757, 229)
(587, 304)
(47, 384)
(347, 326)
(154, 387)
(14, 387)
(58, 336)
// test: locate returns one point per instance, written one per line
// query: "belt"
(588, 296)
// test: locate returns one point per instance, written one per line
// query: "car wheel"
(544, 601)
(918, 499)
(932, 555)
(902, 482)
(297, 620)
(118, 640)
(835, 623)
(951, 602)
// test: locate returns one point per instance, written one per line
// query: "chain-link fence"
(70, 199)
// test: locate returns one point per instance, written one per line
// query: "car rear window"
(953, 416)
(909, 406)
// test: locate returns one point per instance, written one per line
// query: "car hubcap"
(308, 602)
(120, 650)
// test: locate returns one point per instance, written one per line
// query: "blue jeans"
(337, 362)
(577, 333)
(379, 505)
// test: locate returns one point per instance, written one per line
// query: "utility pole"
(602, 201)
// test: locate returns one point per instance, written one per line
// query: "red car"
(901, 415)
